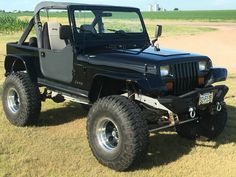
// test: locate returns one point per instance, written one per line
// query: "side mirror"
(158, 31)
(65, 32)
(157, 35)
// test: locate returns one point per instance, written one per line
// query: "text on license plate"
(206, 98)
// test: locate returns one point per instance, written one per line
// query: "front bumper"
(181, 104)
(178, 105)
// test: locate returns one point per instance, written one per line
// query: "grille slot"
(185, 77)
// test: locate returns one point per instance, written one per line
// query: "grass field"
(11, 24)
(57, 146)
(10, 21)
(204, 15)
(17, 21)
(207, 15)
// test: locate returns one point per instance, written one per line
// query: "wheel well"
(104, 86)
(18, 65)
(14, 64)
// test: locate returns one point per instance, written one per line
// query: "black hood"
(137, 59)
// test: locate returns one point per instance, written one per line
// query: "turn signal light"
(169, 86)
(201, 80)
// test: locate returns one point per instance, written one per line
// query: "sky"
(10, 5)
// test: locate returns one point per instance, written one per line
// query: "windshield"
(107, 22)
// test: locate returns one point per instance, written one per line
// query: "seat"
(45, 40)
(33, 42)
(87, 29)
(51, 36)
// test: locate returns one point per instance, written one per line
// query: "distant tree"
(176, 9)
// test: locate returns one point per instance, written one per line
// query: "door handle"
(43, 54)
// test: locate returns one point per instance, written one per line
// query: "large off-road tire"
(21, 100)
(188, 130)
(117, 133)
(211, 126)
(208, 127)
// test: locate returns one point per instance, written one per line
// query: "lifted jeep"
(103, 58)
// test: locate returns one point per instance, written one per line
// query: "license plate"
(206, 98)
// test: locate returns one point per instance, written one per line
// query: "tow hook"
(218, 107)
(192, 112)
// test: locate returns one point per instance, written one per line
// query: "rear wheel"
(117, 133)
(21, 100)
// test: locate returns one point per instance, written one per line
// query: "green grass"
(207, 15)
(11, 24)
(178, 30)
(203, 15)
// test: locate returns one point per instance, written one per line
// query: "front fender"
(216, 75)
(143, 83)
(140, 81)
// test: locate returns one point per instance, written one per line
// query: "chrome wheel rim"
(13, 100)
(107, 134)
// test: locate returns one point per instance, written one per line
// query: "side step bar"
(69, 93)
(63, 88)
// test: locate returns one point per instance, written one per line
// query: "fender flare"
(140, 81)
(11, 61)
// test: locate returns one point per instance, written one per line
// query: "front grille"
(185, 77)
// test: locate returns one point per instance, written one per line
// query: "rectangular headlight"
(202, 65)
(165, 70)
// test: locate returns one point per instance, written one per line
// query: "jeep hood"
(137, 59)
(161, 52)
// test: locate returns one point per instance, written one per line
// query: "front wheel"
(211, 126)
(208, 126)
(117, 133)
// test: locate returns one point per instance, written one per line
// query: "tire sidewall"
(29, 95)
(116, 153)
(133, 132)
(13, 117)
(218, 121)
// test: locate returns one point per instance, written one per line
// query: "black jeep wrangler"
(101, 56)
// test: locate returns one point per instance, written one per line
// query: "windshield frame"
(115, 38)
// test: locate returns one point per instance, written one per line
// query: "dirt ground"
(219, 45)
